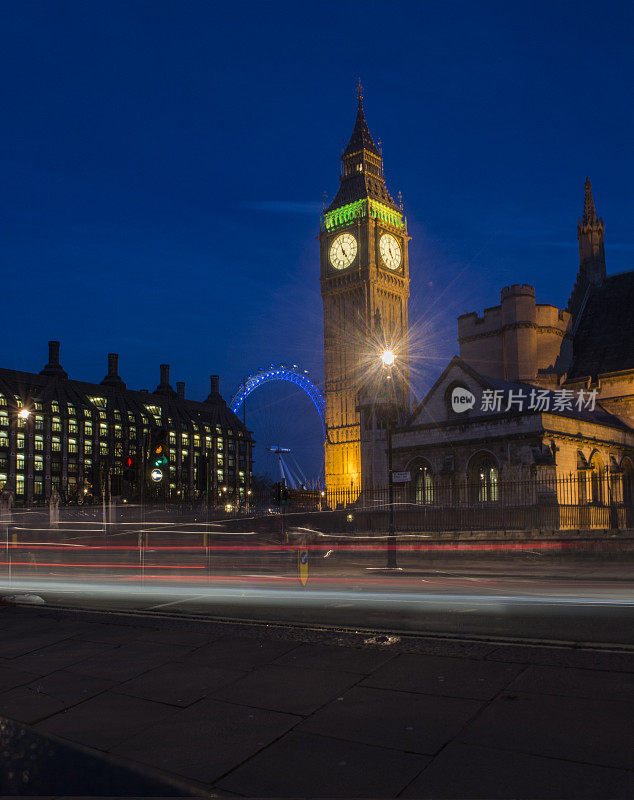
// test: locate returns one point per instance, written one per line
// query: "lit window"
(117, 416)
(72, 445)
(4, 419)
(118, 433)
(103, 415)
(72, 426)
(103, 429)
(103, 448)
(19, 484)
(87, 428)
(4, 439)
(172, 437)
(130, 416)
(19, 462)
(38, 487)
(39, 443)
(196, 440)
(221, 475)
(3, 400)
(55, 407)
(39, 463)
(56, 424)
(3, 479)
(20, 441)
(185, 438)
(87, 413)
(220, 444)
(184, 454)
(71, 410)
(87, 447)
(39, 423)
(209, 443)
(100, 402)
(132, 434)
(56, 445)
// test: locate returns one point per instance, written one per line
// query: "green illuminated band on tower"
(340, 217)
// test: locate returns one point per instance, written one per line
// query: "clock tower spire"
(365, 289)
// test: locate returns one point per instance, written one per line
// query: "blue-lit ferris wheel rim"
(281, 373)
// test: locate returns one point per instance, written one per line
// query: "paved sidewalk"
(257, 711)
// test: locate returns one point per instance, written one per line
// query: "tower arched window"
(483, 475)
(597, 480)
(422, 488)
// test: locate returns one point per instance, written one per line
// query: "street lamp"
(387, 359)
(24, 413)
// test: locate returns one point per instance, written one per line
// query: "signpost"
(302, 565)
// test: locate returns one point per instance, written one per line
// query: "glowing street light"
(24, 413)
(387, 357)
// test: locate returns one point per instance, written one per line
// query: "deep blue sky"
(164, 162)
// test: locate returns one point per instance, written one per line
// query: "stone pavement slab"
(295, 691)
(180, 683)
(129, 660)
(452, 677)
(104, 721)
(565, 657)
(573, 682)
(10, 676)
(60, 655)
(247, 653)
(69, 688)
(206, 740)
(466, 772)
(29, 705)
(414, 723)
(19, 642)
(305, 765)
(576, 729)
(347, 659)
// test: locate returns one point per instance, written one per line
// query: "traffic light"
(129, 471)
(281, 493)
(157, 455)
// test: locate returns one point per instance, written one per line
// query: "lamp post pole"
(388, 361)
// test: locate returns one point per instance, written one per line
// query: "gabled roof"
(604, 339)
(598, 416)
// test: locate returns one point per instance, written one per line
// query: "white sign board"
(401, 477)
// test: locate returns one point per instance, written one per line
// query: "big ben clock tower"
(365, 288)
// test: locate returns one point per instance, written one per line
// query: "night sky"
(164, 165)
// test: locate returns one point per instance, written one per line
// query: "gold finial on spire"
(360, 91)
(400, 200)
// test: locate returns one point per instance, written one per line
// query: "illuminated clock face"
(343, 251)
(390, 251)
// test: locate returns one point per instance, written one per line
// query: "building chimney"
(215, 384)
(53, 354)
(180, 389)
(164, 386)
(112, 378)
(53, 367)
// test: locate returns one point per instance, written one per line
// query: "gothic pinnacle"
(589, 211)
